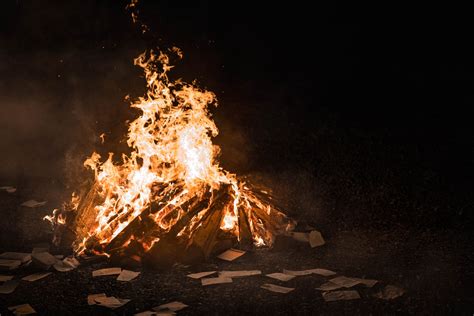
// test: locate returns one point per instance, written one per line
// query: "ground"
(434, 267)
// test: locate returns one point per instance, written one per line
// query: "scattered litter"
(110, 301)
(366, 282)
(8, 189)
(231, 254)
(316, 239)
(389, 292)
(127, 275)
(4, 278)
(329, 286)
(9, 286)
(280, 276)
(340, 296)
(212, 281)
(33, 203)
(345, 281)
(23, 257)
(66, 265)
(200, 274)
(24, 309)
(36, 276)
(236, 274)
(44, 260)
(173, 306)
(277, 288)
(7, 264)
(322, 272)
(91, 298)
(151, 313)
(106, 271)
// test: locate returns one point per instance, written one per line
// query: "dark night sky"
(287, 76)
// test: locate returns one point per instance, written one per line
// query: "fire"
(171, 182)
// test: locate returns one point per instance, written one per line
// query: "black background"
(356, 114)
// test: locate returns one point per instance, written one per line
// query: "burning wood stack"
(168, 200)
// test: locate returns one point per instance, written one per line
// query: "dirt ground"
(435, 268)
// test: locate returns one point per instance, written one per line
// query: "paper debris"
(200, 274)
(236, 274)
(24, 309)
(160, 313)
(316, 239)
(231, 254)
(300, 236)
(329, 286)
(61, 266)
(340, 295)
(4, 278)
(277, 288)
(43, 259)
(323, 272)
(280, 276)
(91, 298)
(173, 306)
(127, 275)
(9, 286)
(218, 280)
(23, 257)
(110, 301)
(33, 203)
(389, 292)
(297, 273)
(106, 271)
(36, 276)
(345, 281)
(366, 282)
(7, 264)
(8, 189)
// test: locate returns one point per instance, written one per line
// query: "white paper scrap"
(111, 301)
(280, 276)
(91, 298)
(236, 274)
(4, 278)
(231, 254)
(316, 239)
(36, 276)
(127, 275)
(329, 286)
(212, 281)
(23, 309)
(277, 288)
(33, 203)
(345, 281)
(366, 282)
(199, 275)
(173, 306)
(106, 271)
(340, 295)
(323, 272)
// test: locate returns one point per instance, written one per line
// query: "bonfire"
(168, 198)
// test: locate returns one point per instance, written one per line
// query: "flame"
(172, 163)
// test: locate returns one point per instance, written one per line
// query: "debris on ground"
(43, 260)
(21, 256)
(91, 298)
(329, 286)
(199, 275)
(8, 264)
(340, 295)
(4, 278)
(277, 288)
(237, 274)
(280, 276)
(23, 309)
(218, 280)
(111, 302)
(231, 254)
(33, 203)
(316, 239)
(8, 189)
(36, 276)
(127, 275)
(9, 286)
(344, 281)
(106, 271)
(389, 292)
(173, 306)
